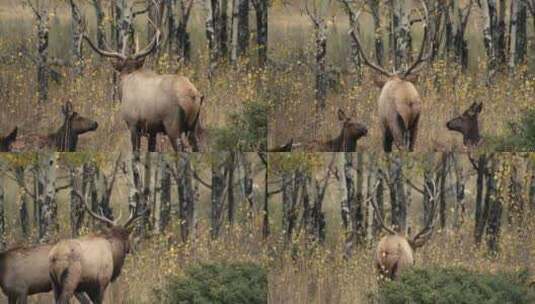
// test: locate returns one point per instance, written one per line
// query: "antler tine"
(93, 214)
(155, 42)
(356, 39)
(420, 57)
(103, 52)
(429, 224)
(378, 214)
(133, 217)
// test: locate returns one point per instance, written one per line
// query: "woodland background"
(306, 217)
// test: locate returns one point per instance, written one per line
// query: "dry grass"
(446, 92)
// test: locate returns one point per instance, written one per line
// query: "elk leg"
(96, 295)
(173, 130)
(387, 141)
(23, 299)
(135, 137)
(413, 132)
(400, 133)
(152, 142)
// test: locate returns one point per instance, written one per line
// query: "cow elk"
(24, 272)
(395, 251)
(468, 125)
(89, 264)
(152, 103)
(399, 102)
(65, 139)
(6, 141)
(346, 141)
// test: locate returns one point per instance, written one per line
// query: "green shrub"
(247, 130)
(239, 283)
(521, 135)
(456, 286)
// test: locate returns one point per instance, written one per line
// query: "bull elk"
(6, 141)
(152, 103)
(468, 125)
(395, 251)
(399, 103)
(24, 272)
(64, 139)
(346, 141)
(89, 264)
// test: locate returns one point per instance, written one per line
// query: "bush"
(239, 283)
(521, 135)
(247, 130)
(456, 286)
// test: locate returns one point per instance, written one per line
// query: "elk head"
(73, 125)
(399, 102)
(115, 231)
(5, 142)
(468, 125)
(395, 251)
(351, 131)
(123, 63)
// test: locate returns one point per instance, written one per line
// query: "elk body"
(6, 141)
(152, 103)
(89, 264)
(24, 272)
(346, 141)
(468, 125)
(64, 139)
(399, 103)
(395, 251)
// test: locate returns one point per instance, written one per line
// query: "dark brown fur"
(63, 140)
(6, 141)
(468, 125)
(346, 141)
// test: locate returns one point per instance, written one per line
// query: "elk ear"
(341, 115)
(379, 81)
(478, 107)
(12, 135)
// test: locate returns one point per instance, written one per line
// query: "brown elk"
(24, 272)
(6, 141)
(89, 264)
(468, 125)
(152, 103)
(346, 141)
(395, 251)
(399, 102)
(65, 139)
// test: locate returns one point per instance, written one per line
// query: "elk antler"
(93, 214)
(377, 212)
(423, 235)
(420, 57)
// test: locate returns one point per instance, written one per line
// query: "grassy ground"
(92, 93)
(444, 90)
(298, 274)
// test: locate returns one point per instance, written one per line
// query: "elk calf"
(346, 141)
(468, 125)
(64, 139)
(89, 264)
(6, 141)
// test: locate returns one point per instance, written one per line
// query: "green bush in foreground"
(238, 283)
(457, 286)
(520, 137)
(247, 130)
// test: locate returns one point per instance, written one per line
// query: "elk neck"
(119, 250)
(343, 143)
(472, 137)
(64, 138)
